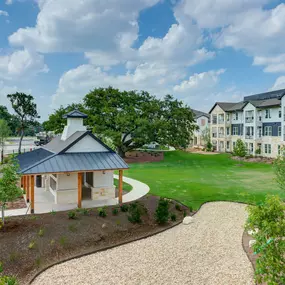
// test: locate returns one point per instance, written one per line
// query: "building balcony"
(249, 119)
(214, 135)
(214, 122)
(221, 122)
(249, 136)
(221, 135)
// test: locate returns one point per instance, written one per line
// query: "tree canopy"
(131, 119)
(26, 112)
(4, 133)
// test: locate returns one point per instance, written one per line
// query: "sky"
(201, 52)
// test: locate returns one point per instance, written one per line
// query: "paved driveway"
(209, 251)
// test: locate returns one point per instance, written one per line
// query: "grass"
(195, 178)
(127, 187)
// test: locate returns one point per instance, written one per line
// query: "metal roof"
(267, 95)
(266, 103)
(57, 145)
(75, 114)
(198, 114)
(237, 106)
(30, 158)
(76, 162)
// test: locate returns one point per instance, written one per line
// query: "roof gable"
(75, 114)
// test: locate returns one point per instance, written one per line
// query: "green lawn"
(194, 178)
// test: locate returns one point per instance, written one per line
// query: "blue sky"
(199, 51)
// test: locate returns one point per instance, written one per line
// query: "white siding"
(87, 144)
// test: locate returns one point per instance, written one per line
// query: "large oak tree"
(132, 119)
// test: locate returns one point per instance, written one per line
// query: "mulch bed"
(19, 203)
(144, 156)
(266, 160)
(29, 244)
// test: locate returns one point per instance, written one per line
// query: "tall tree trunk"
(121, 152)
(20, 142)
(3, 214)
(2, 155)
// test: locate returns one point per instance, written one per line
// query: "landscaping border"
(109, 247)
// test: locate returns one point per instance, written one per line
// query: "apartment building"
(202, 122)
(259, 120)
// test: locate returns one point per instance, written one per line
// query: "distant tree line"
(131, 119)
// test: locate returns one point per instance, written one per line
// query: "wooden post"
(79, 179)
(24, 183)
(120, 186)
(28, 188)
(32, 192)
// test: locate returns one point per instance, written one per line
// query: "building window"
(267, 114)
(214, 119)
(89, 178)
(228, 145)
(236, 115)
(267, 148)
(280, 114)
(235, 131)
(228, 131)
(279, 131)
(251, 148)
(268, 131)
(228, 117)
(52, 183)
(203, 122)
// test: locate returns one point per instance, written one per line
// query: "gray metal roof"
(273, 102)
(75, 114)
(76, 162)
(57, 145)
(267, 95)
(198, 114)
(30, 158)
(237, 107)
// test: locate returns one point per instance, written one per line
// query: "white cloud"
(279, 83)
(4, 91)
(21, 64)
(9, 2)
(4, 13)
(217, 13)
(272, 63)
(90, 25)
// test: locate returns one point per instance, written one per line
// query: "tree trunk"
(2, 156)
(3, 215)
(20, 142)
(121, 153)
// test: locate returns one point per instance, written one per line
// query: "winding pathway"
(208, 251)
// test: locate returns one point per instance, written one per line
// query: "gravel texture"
(208, 251)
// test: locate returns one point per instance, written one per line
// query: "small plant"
(72, 228)
(161, 212)
(53, 212)
(190, 208)
(118, 222)
(240, 149)
(134, 213)
(34, 217)
(1, 224)
(1, 267)
(173, 217)
(177, 207)
(115, 211)
(102, 212)
(52, 242)
(13, 257)
(209, 146)
(32, 245)
(258, 151)
(38, 261)
(71, 215)
(62, 241)
(184, 213)
(8, 280)
(85, 212)
(41, 232)
(124, 208)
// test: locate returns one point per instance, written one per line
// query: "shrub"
(53, 212)
(71, 215)
(161, 212)
(209, 146)
(8, 280)
(177, 207)
(240, 149)
(173, 217)
(85, 212)
(184, 213)
(1, 224)
(52, 242)
(258, 151)
(269, 219)
(41, 232)
(134, 213)
(115, 211)
(102, 212)
(32, 244)
(72, 228)
(124, 208)
(62, 241)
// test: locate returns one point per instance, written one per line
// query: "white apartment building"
(202, 122)
(259, 120)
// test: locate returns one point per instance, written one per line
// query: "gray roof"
(267, 95)
(226, 106)
(53, 157)
(75, 114)
(266, 103)
(57, 145)
(75, 162)
(237, 107)
(198, 114)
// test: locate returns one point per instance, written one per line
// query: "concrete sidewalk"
(44, 200)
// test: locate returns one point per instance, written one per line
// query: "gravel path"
(208, 251)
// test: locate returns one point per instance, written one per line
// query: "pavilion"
(72, 167)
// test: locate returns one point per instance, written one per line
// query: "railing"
(249, 136)
(221, 135)
(214, 135)
(214, 122)
(249, 119)
(221, 121)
